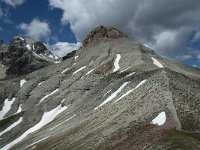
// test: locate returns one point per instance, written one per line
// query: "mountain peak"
(24, 55)
(103, 33)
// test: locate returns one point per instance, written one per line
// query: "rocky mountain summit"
(23, 56)
(102, 33)
(113, 93)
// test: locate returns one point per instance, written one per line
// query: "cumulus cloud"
(167, 26)
(36, 29)
(62, 48)
(13, 3)
(4, 15)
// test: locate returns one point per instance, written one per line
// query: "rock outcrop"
(69, 55)
(102, 33)
(22, 56)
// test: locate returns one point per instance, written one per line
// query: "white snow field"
(22, 82)
(157, 63)
(160, 119)
(79, 70)
(142, 82)
(116, 63)
(48, 96)
(6, 107)
(113, 95)
(46, 118)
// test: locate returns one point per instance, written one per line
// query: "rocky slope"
(113, 94)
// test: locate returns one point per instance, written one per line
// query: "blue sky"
(170, 27)
(29, 10)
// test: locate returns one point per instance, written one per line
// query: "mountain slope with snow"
(117, 94)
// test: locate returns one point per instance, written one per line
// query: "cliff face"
(113, 94)
(23, 56)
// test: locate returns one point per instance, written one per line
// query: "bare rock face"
(102, 33)
(69, 55)
(22, 58)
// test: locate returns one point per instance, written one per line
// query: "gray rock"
(21, 58)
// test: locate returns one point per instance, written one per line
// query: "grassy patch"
(182, 140)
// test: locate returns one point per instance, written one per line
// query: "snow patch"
(130, 74)
(51, 56)
(76, 57)
(41, 83)
(79, 70)
(22, 82)
(11, 126)
(62, 122)
(157, 63)
(19, 109)
(89, 72)
(6, 107)
(125, 70)
(33, 47)
(28, 47)
(91, 63)
(160, 119)
(65, 70)
(21, 38)
(116, 63)
(37, 55)
(46, 118)
(113, 95)
(142, 82)
(57, 62)
(37, 141)
(48, 96)
(107, 92)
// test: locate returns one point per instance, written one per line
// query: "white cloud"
(164, 40)
(186, 57)
(84, 16)
(4, 15)
(196, 37)
(182, 57)
(195, 66)
(198, 56)
(62, 48)
(165, 25)
(13, 3)
(36, 29)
